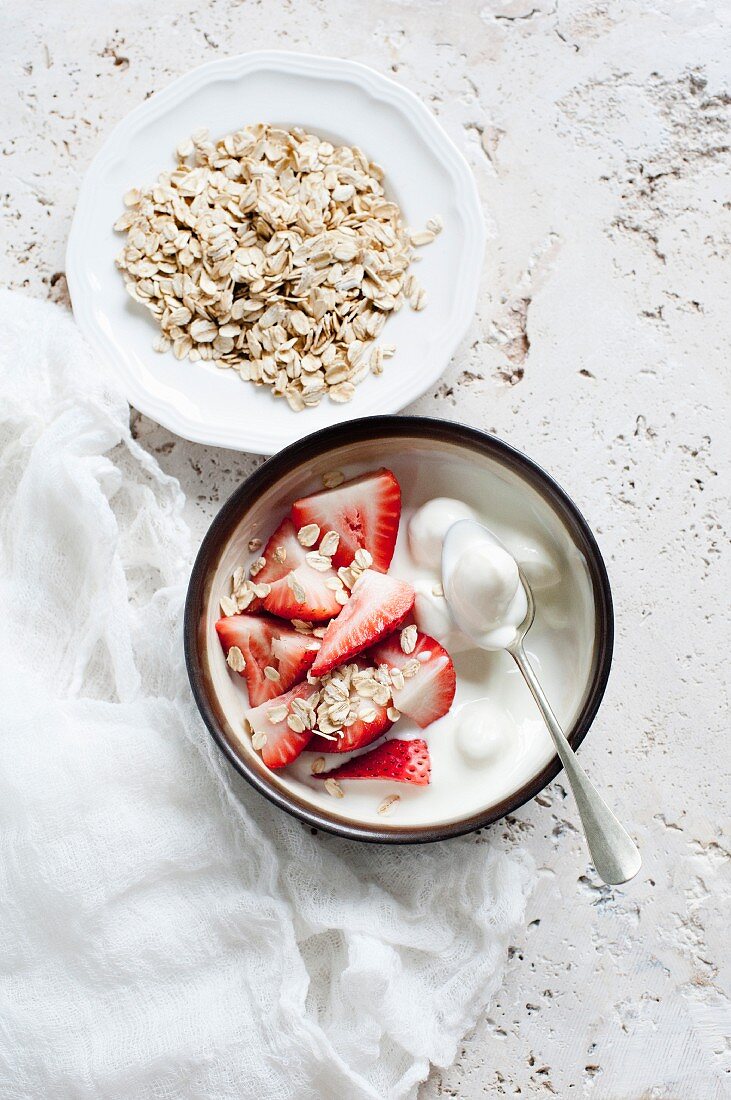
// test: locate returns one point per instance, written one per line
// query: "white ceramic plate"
(341, 101)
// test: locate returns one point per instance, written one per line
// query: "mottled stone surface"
(599, 134)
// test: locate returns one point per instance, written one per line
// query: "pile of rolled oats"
(275, 254)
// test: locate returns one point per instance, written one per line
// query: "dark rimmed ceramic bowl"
(430, 457)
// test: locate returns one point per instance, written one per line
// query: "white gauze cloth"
(166, 932)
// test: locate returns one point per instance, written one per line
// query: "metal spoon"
(614, 854)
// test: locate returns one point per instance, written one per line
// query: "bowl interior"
(342, 102)
(568, 642)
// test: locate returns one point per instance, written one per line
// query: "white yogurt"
(433, 618)
(428, 526)
(483, 586)
(484, 733)
(540, 570)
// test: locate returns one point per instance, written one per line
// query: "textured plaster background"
(599, 135)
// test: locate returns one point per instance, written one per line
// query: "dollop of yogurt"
(428, 526)
(483, 587)
(484, 732)
(539, 569)
(433, 617)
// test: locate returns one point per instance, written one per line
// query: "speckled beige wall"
(599, 134)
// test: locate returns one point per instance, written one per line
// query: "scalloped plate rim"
(466, 201)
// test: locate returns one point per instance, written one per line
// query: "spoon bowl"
(482, 583)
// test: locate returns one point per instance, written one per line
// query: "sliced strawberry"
(377, 604)
(358, 735)
(294, 578)
(283, 744)
(266, 641)
(429, 693)
(399, 761)
(283, 543)
(365, 512)
(303, 594)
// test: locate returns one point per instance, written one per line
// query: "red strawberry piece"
(399, 761)
(283, 744)
(297, 590)
(429, 693)
(267, 642)
(377, 604)
(357, 736)
(365, 512)
(283, 543)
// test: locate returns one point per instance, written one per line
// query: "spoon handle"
(613, 852)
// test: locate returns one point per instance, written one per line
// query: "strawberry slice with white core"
(377, 604)
(429, 677)
(303, 594)
(365, 512)
(356, 736)
(267, 643)
(272, 734)
(397, 760)
(281, 553)
(299, 590)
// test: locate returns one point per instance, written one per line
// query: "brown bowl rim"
(413, 427)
